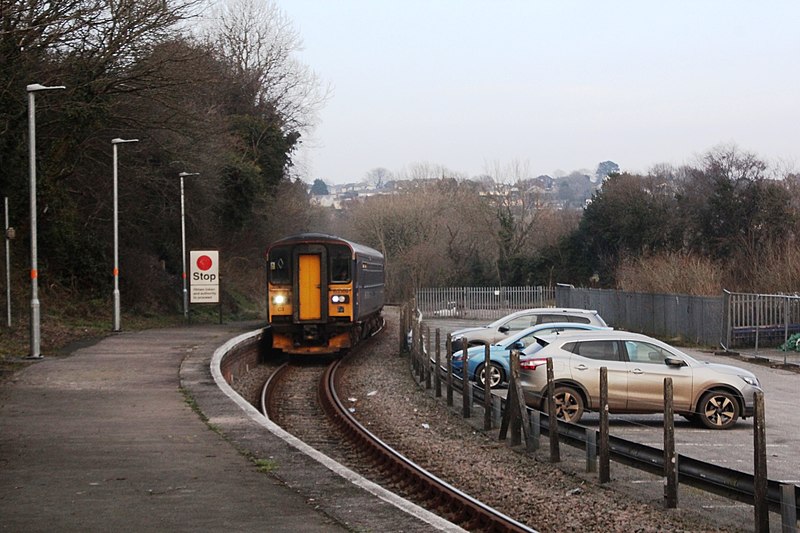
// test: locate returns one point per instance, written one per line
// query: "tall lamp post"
(183, 246)
(36, 340)
(114, 143)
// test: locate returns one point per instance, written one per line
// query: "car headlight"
(750, 380)
(279, 299)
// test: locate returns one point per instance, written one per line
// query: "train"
(324, 293)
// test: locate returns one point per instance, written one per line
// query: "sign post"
(204, 278)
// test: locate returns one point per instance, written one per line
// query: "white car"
(516, 322)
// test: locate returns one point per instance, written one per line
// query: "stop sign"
(204, 276)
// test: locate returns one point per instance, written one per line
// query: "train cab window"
(339, 257)
(279, 265)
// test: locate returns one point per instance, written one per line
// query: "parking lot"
(731, 448)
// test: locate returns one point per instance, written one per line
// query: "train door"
(309, 277)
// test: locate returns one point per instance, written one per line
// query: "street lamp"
(183, 246)
(32, 89)
(114, 143)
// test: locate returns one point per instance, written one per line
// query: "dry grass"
(671, 273)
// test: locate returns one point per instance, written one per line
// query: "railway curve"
(286, 400)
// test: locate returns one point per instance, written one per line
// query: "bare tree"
(260, 41)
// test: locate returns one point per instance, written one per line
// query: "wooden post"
(520, 408)
(466, 385)
(788, 508)
(437, 378)
(403, 330)
(591, 450)
(552, 419)
(534, 430)
(605, 476)
(426, 360)
(760, 504)
(420, 342)
(413, 346)
(487, 390)
(449, 363)
(515, 416)
(670, 458)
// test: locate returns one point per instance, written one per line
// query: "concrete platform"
(110, 438)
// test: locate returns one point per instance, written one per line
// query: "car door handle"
(582, 367)
(637, 371)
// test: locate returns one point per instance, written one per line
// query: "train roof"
(325, 238)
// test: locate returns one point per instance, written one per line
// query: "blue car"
(499, 354)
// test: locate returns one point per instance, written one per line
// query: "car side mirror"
(674, 361)
(516, 346)
(503, 329)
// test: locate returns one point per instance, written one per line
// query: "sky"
(558, 85)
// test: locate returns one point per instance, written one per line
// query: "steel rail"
(468, 510)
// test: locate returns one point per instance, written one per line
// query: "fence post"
(605, 476)
(449, 363)
(487, 390)
(788, 508)
(785, 324)
(534, 429)
(670, 459)
(437, 376)
(420, 353)
(552, 420)
(403, 331)
(466, 385)
(426, 360)
(497, 410)
(760, 504)
(591, 450)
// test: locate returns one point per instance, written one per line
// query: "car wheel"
(569, 404)
(496, 377)
(718, 410)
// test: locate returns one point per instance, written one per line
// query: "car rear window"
(545, 319)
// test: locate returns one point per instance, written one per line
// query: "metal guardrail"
(726, 482)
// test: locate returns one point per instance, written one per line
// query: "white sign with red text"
(204, 277)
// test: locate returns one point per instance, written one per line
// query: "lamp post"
(114, 143)
(183, 246)
(32, 89)
(8, 234)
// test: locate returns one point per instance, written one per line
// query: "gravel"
(387, 399)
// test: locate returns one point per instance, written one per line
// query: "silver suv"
(712, 394)
(516, 322)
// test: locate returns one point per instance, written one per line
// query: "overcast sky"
(561, 85)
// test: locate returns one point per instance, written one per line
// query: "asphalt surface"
(110, 438)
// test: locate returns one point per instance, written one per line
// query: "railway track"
(302, 399)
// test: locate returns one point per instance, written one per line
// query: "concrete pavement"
(107, 439)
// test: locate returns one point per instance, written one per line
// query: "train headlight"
(279, 299)
(340, 298)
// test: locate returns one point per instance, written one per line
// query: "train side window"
(340, 264)
(280, 272)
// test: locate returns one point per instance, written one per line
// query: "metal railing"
(482, 302)
(760, 319)
(733, 320)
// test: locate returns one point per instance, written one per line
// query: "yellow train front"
(324, 294)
